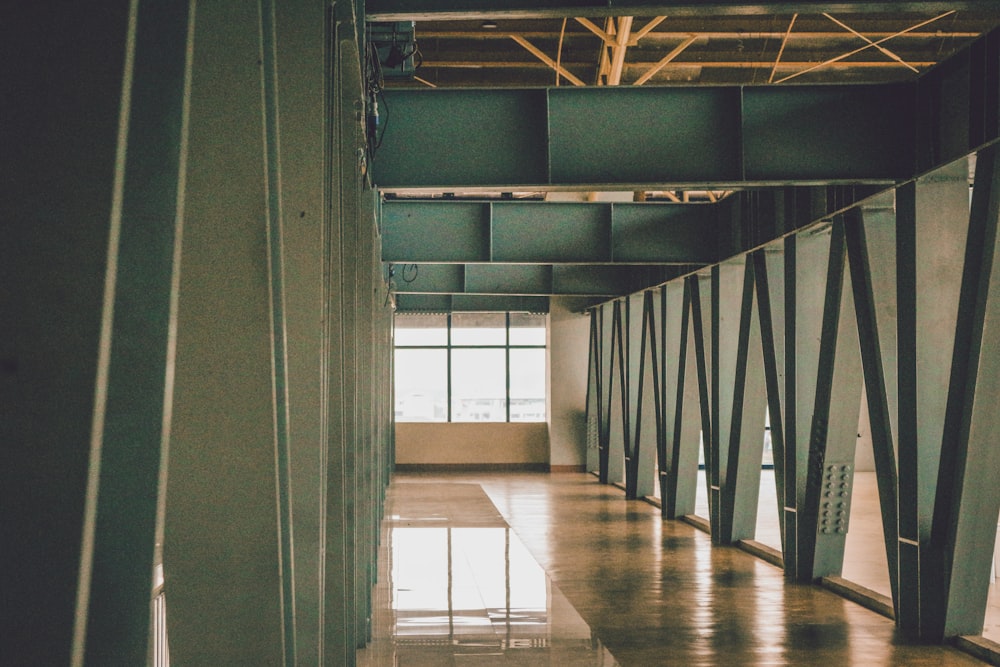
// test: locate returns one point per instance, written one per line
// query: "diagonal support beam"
(538, 53)
(646, 29)
(781, 49)
(870, 44)
(597, 30)
(881, 48)
(666, 60)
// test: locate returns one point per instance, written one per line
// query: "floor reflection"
(865, 561)
(465, 594)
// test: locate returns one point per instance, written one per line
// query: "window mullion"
(448, 341)
(506, 366)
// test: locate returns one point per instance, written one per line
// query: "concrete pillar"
(302, 83)
(222, 537)
(567, 344)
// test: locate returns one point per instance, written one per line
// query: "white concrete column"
(568, 345)
(222, 564)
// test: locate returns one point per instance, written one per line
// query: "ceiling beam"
(406, 10)
(453, 303)
(673, 35)
(530, 280)
(682, 138)
(632, 138)
(534, 232)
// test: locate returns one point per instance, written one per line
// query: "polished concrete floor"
(537, 569)
(864, 556)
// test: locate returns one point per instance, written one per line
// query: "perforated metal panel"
(835, 499)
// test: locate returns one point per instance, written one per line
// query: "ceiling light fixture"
(489, 25)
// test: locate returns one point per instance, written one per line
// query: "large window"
(469, 367)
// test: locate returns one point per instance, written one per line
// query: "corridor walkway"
(536, 569)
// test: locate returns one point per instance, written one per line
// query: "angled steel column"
(931, 237)
(788, 318)
(607, 385)
(725, 298)
(739, 402)
(634, 363)
(648, 424)
(968, 496)
(667, 383)
(681, 402)
(618, 436)
(594, 394)
(824, 511)
(700, 290)
(876, 223)
(770, 313)
(820, 401)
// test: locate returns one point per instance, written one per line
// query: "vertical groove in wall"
(272, 160)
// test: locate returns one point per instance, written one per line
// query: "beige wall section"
(471, 443)
(569, 346)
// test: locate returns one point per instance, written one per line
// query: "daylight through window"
(469, 367)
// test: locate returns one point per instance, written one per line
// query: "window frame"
(449, 346)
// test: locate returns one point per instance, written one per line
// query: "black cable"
(385, 120)
(415, 271)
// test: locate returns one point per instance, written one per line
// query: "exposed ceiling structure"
(713, 45)
(662, 50)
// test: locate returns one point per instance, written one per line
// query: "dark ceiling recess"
(776, 49)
